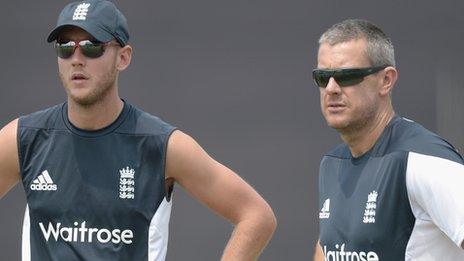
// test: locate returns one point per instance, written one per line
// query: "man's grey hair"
(379, 47)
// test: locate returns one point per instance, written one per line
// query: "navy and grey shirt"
(401, 200)
(94, 195)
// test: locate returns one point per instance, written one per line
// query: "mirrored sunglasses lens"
(64, 51)
(92, 50)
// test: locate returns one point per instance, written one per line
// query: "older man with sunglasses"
(393, 190)
(98, 172)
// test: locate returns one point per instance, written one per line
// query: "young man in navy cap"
(98, 172)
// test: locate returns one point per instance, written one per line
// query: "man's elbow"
(271, 223)
(267, 221)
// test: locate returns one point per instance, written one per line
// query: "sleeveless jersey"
(402, 200)
(94, 195)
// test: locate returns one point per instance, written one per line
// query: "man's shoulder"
(42, 119)
(141, 122)
(407, 135)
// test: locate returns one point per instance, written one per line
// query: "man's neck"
(95, 116)
(362, 140)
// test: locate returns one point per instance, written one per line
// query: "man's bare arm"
(225, 193)
(318, 253)
(9, 163)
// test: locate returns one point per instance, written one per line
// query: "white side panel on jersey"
(436, 192)
(26, 237)
(158, 233)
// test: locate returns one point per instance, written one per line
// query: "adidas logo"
(325, 211)
(43, 182)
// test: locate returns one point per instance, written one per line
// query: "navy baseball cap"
(99, 18)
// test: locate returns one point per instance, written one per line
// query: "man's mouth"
(336, 106)
(78, 77)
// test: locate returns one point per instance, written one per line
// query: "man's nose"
(77, 58)
(333, 87)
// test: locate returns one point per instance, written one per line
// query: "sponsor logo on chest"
(82, 233)
(340, 254)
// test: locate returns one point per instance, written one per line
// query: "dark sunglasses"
(344, 77)
(90, 49)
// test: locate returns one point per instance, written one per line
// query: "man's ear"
(124, 57)
(388, 81)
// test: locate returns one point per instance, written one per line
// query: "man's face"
(87, 80)
(348, 108)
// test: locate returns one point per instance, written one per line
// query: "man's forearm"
(318, 253)
(249, 238)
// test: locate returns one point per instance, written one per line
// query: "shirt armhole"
(410, 189)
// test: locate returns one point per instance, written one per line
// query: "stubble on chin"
(351, 124)
(96, 92)
(337, 123)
